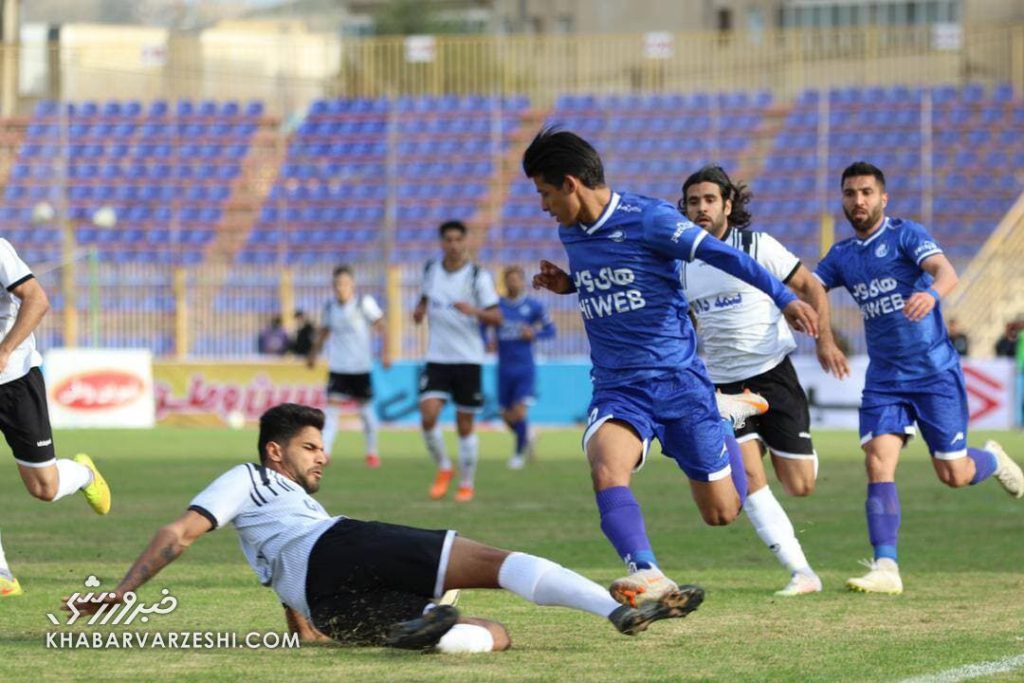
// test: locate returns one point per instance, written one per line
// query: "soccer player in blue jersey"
(524, 321)
(898, 275)
(624, 254)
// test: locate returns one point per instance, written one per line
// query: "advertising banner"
(99, 387)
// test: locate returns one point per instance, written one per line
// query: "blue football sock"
(521, 430)
(739, 472)
(985, 464)
(883, 512)
(623, 523)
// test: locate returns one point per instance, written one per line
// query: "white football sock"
(368, 413)
(434, 439)
(543, 582)
(4, 569)
(465, 638)
(774, 528)
(331, 420)
(469, 447)
(71, 477)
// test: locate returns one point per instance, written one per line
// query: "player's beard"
(865, 224)
(308, 482)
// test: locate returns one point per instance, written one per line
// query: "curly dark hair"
(738, 193)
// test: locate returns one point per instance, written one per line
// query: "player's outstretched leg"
(775, 529)
(368, 416)
(884, 516)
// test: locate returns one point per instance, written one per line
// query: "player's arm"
(421, 309)
(166, 546)
(318, 345)
(543, 326)
(381, 328)
(921, 304)
(34, 305)
(809, 289)
(669, 234)
(299, 624)
(487, 316)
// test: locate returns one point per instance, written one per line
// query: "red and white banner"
(100, 387)
(991, 386)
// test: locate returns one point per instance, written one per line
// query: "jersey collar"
(881, 229)
(605, 215)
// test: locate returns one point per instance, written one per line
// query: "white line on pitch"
(969, 671)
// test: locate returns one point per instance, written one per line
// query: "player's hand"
(465, 308)
(553, 278)
(385, 359)
(527, 333)
(918, 306)
(832, 359)
(87, 607)
(5, 356)
(802, 317)
(419, 312)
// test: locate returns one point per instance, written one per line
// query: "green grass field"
(962, 555)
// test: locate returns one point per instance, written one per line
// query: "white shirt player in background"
(746, 346)
(363, 577)
(457, 297)
(347, 326)
(24, 418)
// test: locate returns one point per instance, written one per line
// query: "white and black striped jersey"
(277, 524)
(454, 337)
(13, 272)
(349, 345)
(742, 330)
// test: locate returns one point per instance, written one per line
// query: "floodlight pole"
(10, 25)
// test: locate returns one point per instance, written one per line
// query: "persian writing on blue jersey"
(877, 297)
(596, 298)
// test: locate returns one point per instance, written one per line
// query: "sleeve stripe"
(920, 258)
(789, 277)
(255, 488)
(815, 274)
(696, 243)
(20, 282)
(205, 513)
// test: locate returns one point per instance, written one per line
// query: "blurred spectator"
(304, 333)
(956, 335)
(1006, 347)
(274, 339)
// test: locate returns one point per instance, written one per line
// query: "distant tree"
(410, 17)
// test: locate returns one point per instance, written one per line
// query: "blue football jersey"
(625, 268)
(881, 273)
(513, 350)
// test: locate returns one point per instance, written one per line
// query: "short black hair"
(343, 269)
(452, 225)
(284, 421)
(738, 193)
(555, 154)
(859, 168)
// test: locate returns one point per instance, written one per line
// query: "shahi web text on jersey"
(607, 292)
(877, 297)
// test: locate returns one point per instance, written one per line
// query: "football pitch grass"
(962, 556)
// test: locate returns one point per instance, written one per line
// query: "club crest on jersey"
(882, 250)
(617, 236)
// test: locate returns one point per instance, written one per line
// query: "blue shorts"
(938, 404)
(515, 386)
(680, 410)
